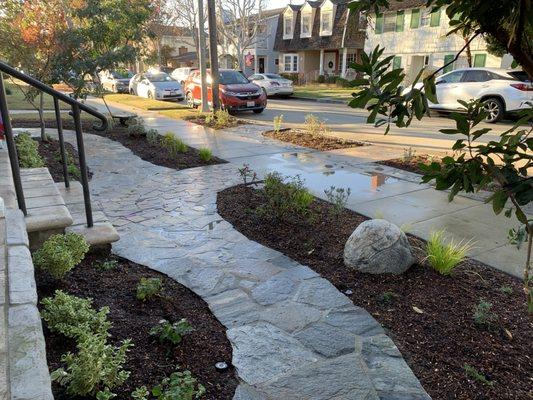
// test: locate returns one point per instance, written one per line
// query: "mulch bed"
(149, 361)
(138, 145)
(200, 119)
(317, 142)
(437, 343)
(410, 164)
(49, 151)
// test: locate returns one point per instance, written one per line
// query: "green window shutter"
(379, 23)
(397, 62)
(435, 18)
(480, 60)
(448, 58)
(400, 20)
(415, 18)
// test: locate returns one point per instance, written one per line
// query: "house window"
(448, 58)
(290, 63)
(397, 62)
(287, 26)
(326, 22)
(390, 22)
(306, 25)
(350, 59)
(425, 17)
(480, 60)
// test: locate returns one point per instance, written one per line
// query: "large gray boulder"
(378, 247)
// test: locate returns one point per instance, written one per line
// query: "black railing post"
(83, 164)
(61, 142)
(11, 147)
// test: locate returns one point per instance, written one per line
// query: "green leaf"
(498, 201)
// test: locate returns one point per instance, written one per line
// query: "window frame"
(326, 11)
(480, 56)
(306, 14)
(286, 17)
(293, 57)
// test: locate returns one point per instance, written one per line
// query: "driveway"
(351, 123)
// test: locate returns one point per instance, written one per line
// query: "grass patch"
(320, 91)
(16, 100)
(145, 104)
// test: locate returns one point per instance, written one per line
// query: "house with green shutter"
(416, 35)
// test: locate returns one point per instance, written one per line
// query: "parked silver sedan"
(273, 84)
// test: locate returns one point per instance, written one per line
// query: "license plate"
(169, 92)
(250, 104)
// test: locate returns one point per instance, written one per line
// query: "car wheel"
(190, 100)
(132, 92)
(259, 110)
(494, 109)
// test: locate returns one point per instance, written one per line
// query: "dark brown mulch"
(200, 119)
(411, 164)
(437, 343)
(138, 145)
(49, 151)
(149, 361)
(317, 142)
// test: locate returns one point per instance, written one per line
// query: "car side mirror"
(440, 82)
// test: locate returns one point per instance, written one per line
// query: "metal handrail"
(77, 107)
(54, 93)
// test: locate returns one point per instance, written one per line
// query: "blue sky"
(281, 3)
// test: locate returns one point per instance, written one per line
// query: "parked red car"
(236, 92)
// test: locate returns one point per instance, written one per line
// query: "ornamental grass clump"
(444, 257)
(286, 197)
(205, 155)
(60, 253)
(28, 151)
(173, 144)
(74, 317)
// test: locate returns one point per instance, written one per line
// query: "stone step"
(102, 232)
(47, 211)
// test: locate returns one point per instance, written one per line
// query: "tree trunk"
(468, 53)
(41, 117)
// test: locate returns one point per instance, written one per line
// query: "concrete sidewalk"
(377, 191)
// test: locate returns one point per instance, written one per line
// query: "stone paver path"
(294, 335)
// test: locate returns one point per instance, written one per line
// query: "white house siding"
(427, 41)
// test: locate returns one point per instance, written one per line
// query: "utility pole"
(201, 55)
(213, 50)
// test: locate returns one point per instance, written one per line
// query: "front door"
(261, 65)
(330, 59)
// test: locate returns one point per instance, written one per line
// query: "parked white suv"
(502, 91)
(181, 74)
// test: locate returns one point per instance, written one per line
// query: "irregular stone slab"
(263, 352)
(246, 392)
(321, 293)
(327, 340)
(338, 378)
(291, 316)
(378, 247)
(354, 320)
(22, 288)
(274, 290)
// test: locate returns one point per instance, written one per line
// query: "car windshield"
(232, 77)
(273, 76)
(159, 78)
(121, 74)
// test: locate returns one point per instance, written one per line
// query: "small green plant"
(28, 151)
(444, 257)
(107, 265)
(180, 385)
(205, 155)
(97, 366)
(506, 289)
(136, 128)
(140, 393)
(74, 171)
(152, 136)
(105, 395)
(408, 154)
(60, 253)
(483, 315)
(171, 332)
(286, 197)
(474, 374)
(74, 316)
(314, 125)
(278, 120)
(386, 297)
(338, 197)
(173, 144)
(247, 174)
(219, 119)
(148, 288)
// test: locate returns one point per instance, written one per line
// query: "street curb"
(319, 100)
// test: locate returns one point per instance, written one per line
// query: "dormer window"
(326, 21)
(306, 23)
(288, 26)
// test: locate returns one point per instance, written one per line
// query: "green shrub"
(321, 79)
(473, 373)
(173, 333)
(444, 257)
(219, 119)
(107, 265)
(148, 288)
(315, 126)
(74, 171)
(386, 297)
(74, 316)
(293, 76)
(60, 253)
(286, 196)
(338, 197)
(341, 82)
(152, 136)
(136, 128)
(483, 315)
(173, 144)
(96, 366)
(331, 79)
(140, 393)
(28, 151)
(180, 385)
(205, 155)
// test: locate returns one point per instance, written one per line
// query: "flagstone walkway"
(294, 335)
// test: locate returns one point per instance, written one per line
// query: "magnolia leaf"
(418, 310)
